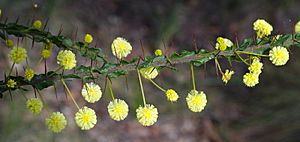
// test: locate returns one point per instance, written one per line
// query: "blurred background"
(268, 112)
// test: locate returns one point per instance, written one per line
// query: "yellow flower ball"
(279, 55)
(227, 76)
(251, 79)
(256, 66)
(18, 55)
(91, 92)
(149, 72)
(223, 43)
(172, 95)
(118, 109)
(262, 28)
(11, 83)
(297, 27)
(88, 38)
(86, 118)
(34, 105)
(56, 122)
(121, 47)
(158, 52)
(147, 115)
(37, 24)
(196, 101)
(66, 59)
(47, 50)
(9, 43)
(29, 73)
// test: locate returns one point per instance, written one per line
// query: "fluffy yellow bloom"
(67, 59)
(158, 52)
(118, 109)
(297, 27)
(262, 28)
(227, 76)
(251, 79)
(9, 43)
(149, 72)
(279, 55)
(11, 83)
(147, 115)
(172, 95)
(56, 122)
(223, 43)
(196, 101)
(256, 66)
(88, 38)
(120, 47)
(91, 92)
(29, 73)
(47, 50)
(18, 55)
(86, 118)
(37, 24)
(34, 105)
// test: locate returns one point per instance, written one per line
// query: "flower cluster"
(37, 24)
(262, 28)
(255, 69)
(47, 50)
(88, 38)
(223, 43)
(279, 55)
(118, 109)
(56, 122)
(121, 48)
(66, 59)
(227, 76)
(86, 118)
(149, 72)
(147, 115)
(158, 52)
(11, 83)
(91, 92)
(29, 74)
(172, 95)
(297, 27)
(196, 101)
(18, 55)
(34, 105)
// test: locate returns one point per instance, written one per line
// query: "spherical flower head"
(118, 109)
(158, 52)
(66, 59)
(251, 79)
(47, 50)
(18, 55)
(88, 38)
(256, 66)
(11, 83)
(147, 115)
(172, 95)
(9, 43)
(149, 72)
(91, 92)
(262, 28)
(297, 27)
(34, 105)
(56, 122)
(86, 118)
(279, 55)
(196, 101)
(29, 73)
(227, 76)
(223, 43)
(120, 48)
(37, 24)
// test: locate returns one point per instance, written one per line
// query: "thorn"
(17, 20)
(60, 30)
(17, 74)
(143, 51)
(32, 43)
(195, 43)
(46, 24)
(76, 31)
(55, 91)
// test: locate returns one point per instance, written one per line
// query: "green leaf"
(75, 76)
(117, 73)
(67, 43)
